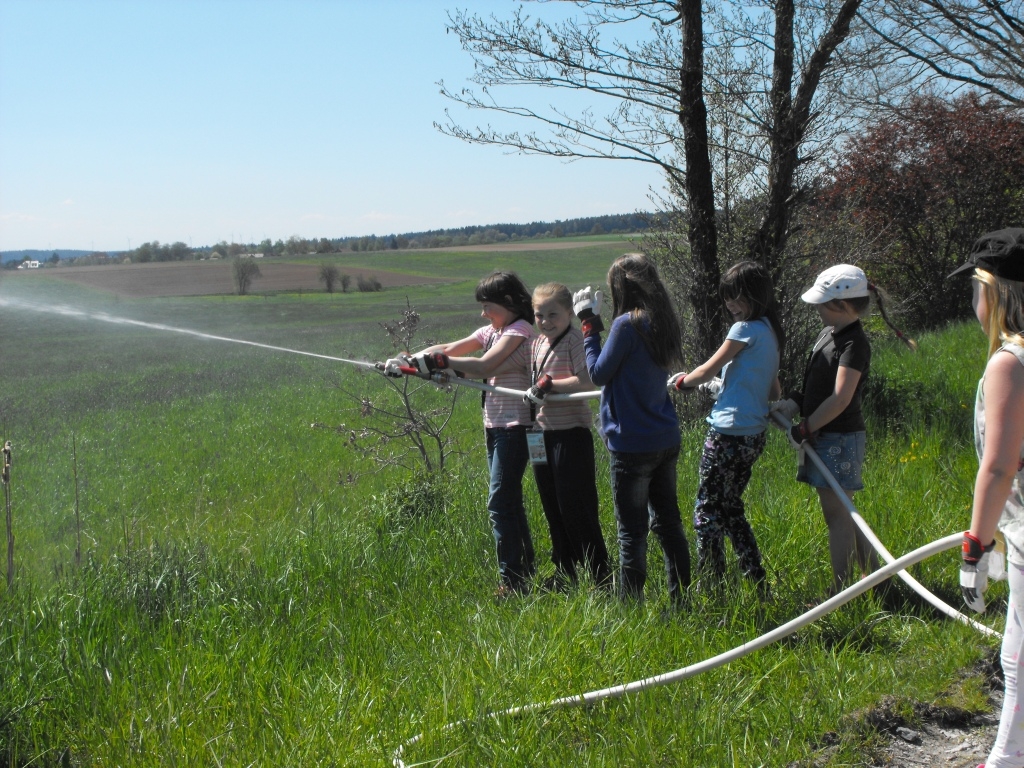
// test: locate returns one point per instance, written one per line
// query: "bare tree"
(406, 424)
(978, 44)
(773, 65)
(329, 276)
(246, 270)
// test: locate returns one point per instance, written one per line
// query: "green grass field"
(253, 591)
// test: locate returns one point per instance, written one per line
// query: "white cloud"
(19, 217)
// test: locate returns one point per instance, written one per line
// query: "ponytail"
(880, 299)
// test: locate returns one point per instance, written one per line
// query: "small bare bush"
(368, 284)
(405, 422)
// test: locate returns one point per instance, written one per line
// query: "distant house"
(29, 265)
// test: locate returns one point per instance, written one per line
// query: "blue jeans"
(507, 458)
(644, 491)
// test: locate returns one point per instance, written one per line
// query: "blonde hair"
(1005, 300)
(555, 291)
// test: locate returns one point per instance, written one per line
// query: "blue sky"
(124, 122)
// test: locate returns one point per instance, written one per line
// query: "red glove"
(426, 363)
(802, 433)
(536, 393)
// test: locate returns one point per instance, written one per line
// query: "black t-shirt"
(850, 348)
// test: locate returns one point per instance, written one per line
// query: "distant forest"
(61, 254)
(294, 246)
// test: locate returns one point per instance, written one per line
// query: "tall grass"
(242, 602)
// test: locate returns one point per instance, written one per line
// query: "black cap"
(1001, 253)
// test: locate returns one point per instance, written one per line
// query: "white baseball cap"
(843, 281)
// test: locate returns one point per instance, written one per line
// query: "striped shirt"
(507, 410)
(567, 358)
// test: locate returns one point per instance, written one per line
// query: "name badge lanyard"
(537, 369)
(483, 392)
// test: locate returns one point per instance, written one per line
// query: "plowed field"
(191, 278)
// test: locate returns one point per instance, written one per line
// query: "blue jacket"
(637, 415)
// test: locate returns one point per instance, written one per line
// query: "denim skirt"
(842, 453)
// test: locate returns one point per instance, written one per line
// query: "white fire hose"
(893, 567)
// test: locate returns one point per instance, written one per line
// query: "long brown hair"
(750, 282)
(636, 288)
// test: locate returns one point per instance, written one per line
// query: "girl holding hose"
(996, 265)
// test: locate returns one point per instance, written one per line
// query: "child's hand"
(536, 393)
(587, 307)
(713, 387)
(586, 304)
(426, 363)
(787, 409)
(974, 571)
(801, 433)
(675, 383)
(393, 365)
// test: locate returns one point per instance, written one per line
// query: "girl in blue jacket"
(638, 421)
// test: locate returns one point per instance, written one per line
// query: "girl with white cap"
(829, 404)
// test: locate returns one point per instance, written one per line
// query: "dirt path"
(933, 736)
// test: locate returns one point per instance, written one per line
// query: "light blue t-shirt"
(742, 407)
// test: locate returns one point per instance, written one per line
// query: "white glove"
(586, 303)
(974, 571)
(673, 383)
(713, 387)
(393, 364)
(787, 409)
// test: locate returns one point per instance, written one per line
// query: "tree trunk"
(698, 183)
(790, 121)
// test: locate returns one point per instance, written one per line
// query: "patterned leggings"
(725, 469)
(1008, 751)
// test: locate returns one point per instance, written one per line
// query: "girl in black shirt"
(832, 422)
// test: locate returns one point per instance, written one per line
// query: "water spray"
(439, 378)
(104, 317)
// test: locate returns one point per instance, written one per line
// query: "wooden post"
(6, 477)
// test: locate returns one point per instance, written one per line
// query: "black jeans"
(644, 489)
(567, 485)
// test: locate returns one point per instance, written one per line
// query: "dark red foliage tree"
(923, 185)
